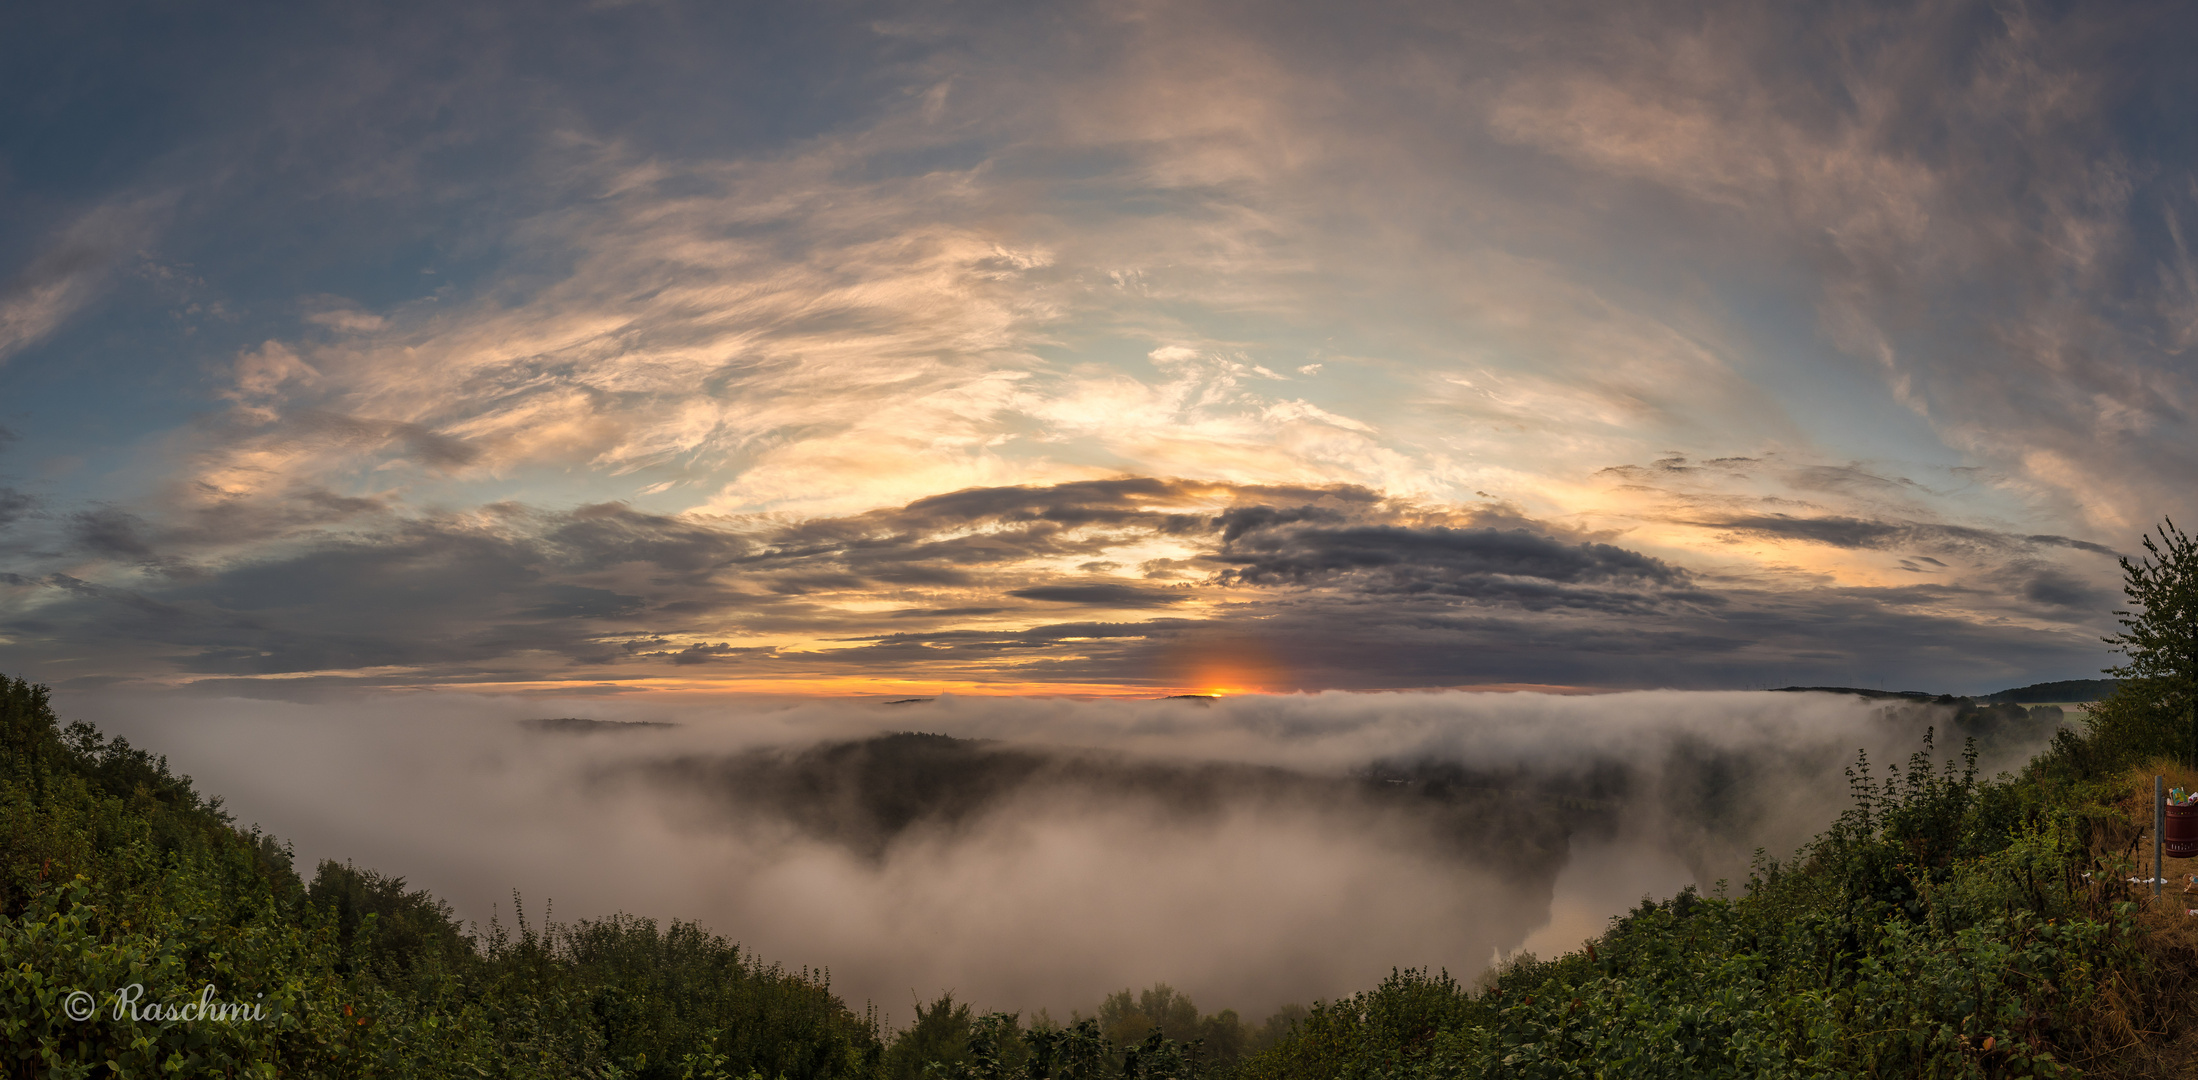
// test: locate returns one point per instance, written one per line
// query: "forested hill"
(1947, 924)
(117, 872)
(2065, 690)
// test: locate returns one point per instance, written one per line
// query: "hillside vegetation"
(1946, 925)
(117, 872)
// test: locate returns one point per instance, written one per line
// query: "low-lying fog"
(1030, 853)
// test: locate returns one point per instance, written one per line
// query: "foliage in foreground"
(1944, 926)
(113, 872)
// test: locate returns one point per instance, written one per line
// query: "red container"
(2182, 831)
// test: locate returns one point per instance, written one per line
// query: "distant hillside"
(581, 725)
(2036, 693)
(1908, 695)
(2065, 690)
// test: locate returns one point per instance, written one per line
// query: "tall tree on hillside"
(2160, 636)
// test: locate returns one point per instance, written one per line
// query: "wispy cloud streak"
(1715, 330)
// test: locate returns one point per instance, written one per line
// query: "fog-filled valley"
(609, 540)
(1028, 854)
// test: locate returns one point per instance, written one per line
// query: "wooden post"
(2159, 827)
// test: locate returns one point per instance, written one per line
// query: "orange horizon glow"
(874, 687)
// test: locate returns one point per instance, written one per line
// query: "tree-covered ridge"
(1943, 927)
(2063, 690)
(117, 872)
(1946, 925)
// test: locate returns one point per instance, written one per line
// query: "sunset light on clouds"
(1086, 349)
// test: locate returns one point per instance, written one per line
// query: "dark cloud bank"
(1034, 853)
(1301, 588)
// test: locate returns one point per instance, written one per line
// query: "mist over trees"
(1947, 923)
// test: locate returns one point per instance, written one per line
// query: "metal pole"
(2159, 824)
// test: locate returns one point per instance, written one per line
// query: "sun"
(1233, 672)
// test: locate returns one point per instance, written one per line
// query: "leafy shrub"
(118, 874)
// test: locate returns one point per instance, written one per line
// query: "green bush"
(1945, 925)
(118, 874)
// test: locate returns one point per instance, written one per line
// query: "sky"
(1121, 348)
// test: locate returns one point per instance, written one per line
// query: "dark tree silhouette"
(2160, 635)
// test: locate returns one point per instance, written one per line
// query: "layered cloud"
(1131, 583)
(1150, 346)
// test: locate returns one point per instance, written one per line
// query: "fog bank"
(1029, 853)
